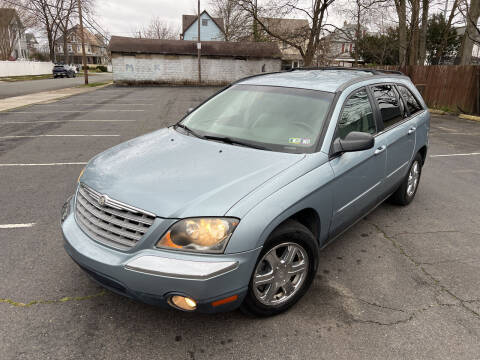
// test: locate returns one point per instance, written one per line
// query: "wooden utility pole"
(199, 46)
(85, 67)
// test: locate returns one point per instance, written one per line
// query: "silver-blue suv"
(230, 206)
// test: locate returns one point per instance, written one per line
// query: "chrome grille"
(108, 221)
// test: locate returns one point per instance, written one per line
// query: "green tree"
(437, 31)
(380, 49)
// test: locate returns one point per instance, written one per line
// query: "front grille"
(108, 221)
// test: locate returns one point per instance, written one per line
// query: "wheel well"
(423, 152)
(310, 219)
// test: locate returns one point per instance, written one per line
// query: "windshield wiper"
(194, 133)
(231, 141)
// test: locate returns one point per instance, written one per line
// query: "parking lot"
(402, 283)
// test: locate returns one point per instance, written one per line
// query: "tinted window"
(357, 115)
(388, 103)
(412, 104)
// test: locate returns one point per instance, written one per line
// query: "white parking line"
(91, 104)
(47, 164)
(69, 111)
(16, 226)
(34, 136)
(60, 121)
(447, 155)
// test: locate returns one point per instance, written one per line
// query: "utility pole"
(85, 68)
(199, 46)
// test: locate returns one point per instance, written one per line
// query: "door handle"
(380, 149)
(412, 130)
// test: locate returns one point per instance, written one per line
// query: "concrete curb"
(44, 97)
(469, 117)
(461, 116)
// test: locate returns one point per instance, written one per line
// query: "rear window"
(389, 104)
(412, 104)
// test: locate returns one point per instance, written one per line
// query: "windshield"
(276, 118)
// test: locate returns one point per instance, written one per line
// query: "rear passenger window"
(389, 104)
(357, 115)
(412, 104)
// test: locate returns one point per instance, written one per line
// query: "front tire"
(407, 190)
(284, 270)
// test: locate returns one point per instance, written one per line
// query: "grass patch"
(446, 109)
(26, 77)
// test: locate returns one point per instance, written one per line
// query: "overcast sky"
(120, 17)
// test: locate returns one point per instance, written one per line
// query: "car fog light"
(183, 303)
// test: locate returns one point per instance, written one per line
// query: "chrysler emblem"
(102, 200)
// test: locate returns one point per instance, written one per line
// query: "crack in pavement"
(56, 301)
(419, 265)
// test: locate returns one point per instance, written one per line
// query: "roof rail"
(372, 71)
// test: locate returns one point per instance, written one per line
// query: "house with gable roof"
(211, 29)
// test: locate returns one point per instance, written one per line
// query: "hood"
(174, 175)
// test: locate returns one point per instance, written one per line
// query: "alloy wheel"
(413, 177)
(280, 273)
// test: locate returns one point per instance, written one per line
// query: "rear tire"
(284, 271)
(407, 190)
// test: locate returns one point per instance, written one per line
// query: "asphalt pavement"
(17, 88)
(404, 283)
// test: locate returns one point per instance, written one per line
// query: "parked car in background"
(64, 71)
(230, 207)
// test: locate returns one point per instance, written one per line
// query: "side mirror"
(354, 141)
(189, 111)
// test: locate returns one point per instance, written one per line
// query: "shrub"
(102, 68)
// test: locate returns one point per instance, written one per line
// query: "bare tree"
(52, 16)
(306, 43)
(471, 13)
(156, 29)
(401, 7)
(235, 19)
(446, 31)
(422, 41)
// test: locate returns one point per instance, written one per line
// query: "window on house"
(70, 48)
(204, 22)
(284, 45)
(343, 48)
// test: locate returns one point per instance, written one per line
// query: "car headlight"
(208, 235)
(81, 173)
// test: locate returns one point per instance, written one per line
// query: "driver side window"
(357, 115)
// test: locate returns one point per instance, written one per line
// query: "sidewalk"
(44, 96)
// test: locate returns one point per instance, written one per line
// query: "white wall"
(184, 69)
(18, 68)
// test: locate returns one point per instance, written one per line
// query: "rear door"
(398, 132)
(358, 175)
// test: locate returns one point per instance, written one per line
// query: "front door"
(358, 175)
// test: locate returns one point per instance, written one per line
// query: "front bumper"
(152, 276)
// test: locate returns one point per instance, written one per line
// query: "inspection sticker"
(299, 141)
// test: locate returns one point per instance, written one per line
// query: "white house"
(13, 44)
(211, 29)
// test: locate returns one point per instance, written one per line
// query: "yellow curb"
(469, 117)
(44, 97)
